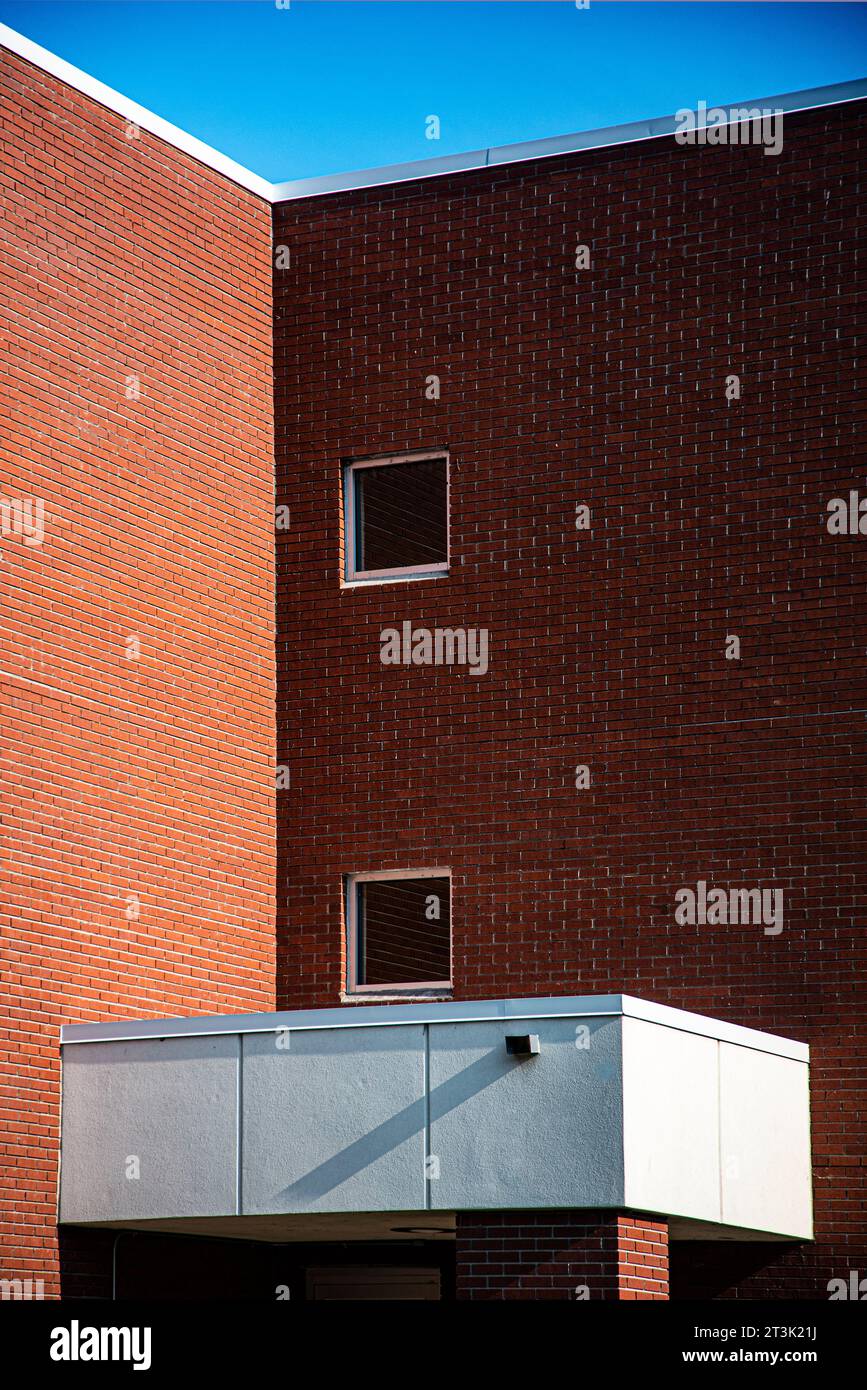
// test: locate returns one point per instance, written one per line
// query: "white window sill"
(410, 997)
(392, 579)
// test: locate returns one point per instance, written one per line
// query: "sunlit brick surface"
(127, 777)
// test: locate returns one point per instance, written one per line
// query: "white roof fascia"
(131, 111)
(492, 157)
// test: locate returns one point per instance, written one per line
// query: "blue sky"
(327, 86)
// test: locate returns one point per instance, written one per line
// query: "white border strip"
(477, 1011)
(131, 111)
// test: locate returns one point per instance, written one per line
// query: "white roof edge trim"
(131, 111)
(495, 155)
(473, 1011)
(681, 1019)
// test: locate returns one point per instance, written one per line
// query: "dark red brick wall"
(580, 1255)
(603, 387)
(149, 775)
(742, 1269)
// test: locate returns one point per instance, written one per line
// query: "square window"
(399, 930)
(396, 517)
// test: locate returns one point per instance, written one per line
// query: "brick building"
(537, 974)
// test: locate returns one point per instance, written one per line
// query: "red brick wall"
(124, 775)
(642, 1258)
(603, 387)
(580, 1255)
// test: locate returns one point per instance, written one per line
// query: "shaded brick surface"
(603, 387)
(556, 1255)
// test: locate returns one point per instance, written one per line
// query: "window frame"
(353, 575)
(350, 900)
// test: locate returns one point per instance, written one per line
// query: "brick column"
(642, 1257)
(561, 1255)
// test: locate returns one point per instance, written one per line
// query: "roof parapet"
(655, 129)
(492, 157)
(131, 111)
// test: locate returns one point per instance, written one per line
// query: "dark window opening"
(397, 518)
(402, 931)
